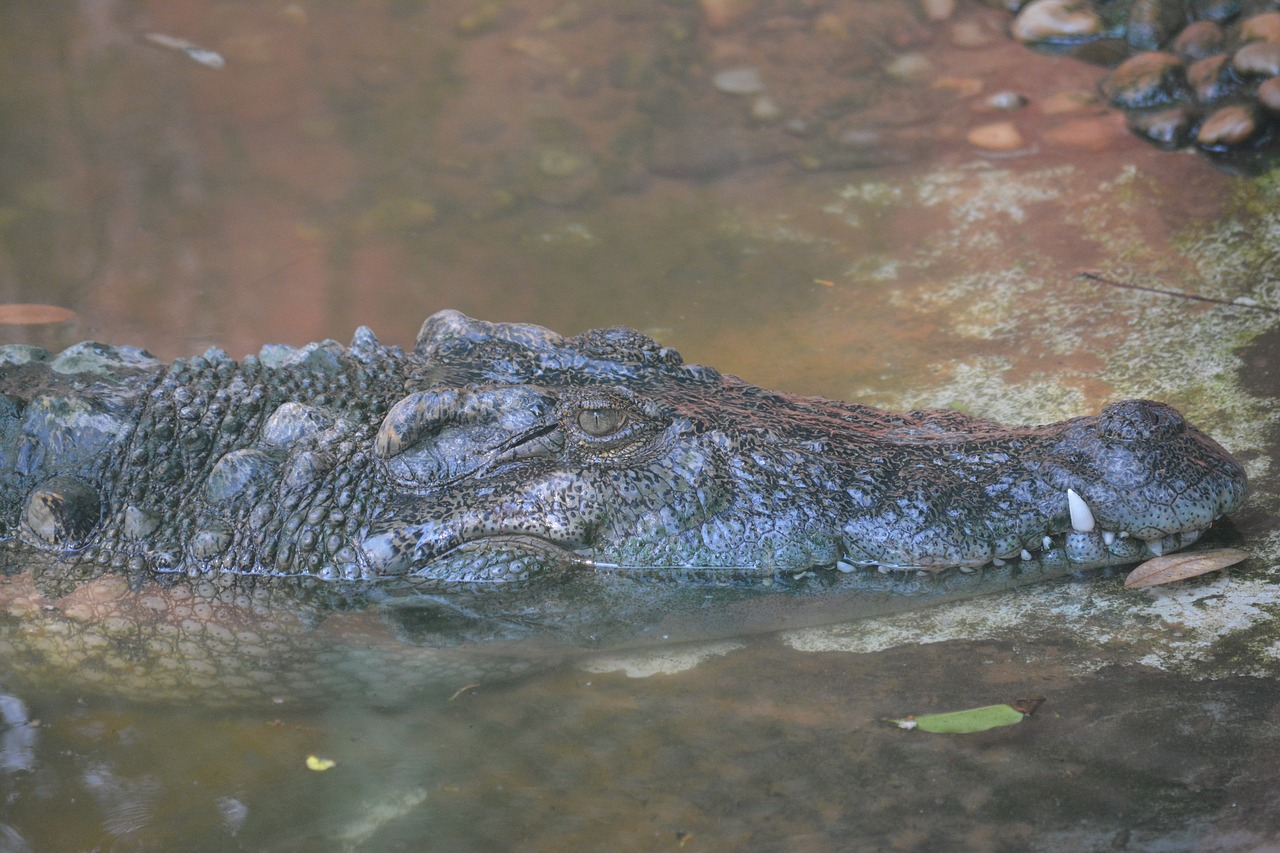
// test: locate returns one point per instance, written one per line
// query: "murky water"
(579, 164)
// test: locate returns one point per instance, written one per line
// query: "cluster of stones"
(1202, 72)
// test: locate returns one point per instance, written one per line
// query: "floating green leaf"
(972, 719)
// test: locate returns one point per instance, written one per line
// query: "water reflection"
(825, 225)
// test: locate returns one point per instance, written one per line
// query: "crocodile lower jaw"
(1087, 549)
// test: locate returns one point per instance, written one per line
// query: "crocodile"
(499, 485)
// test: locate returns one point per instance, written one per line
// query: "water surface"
(574, 164)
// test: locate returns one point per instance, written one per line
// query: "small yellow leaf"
(319, 764)
(1176, 567)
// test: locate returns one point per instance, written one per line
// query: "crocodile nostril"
(1140, 420)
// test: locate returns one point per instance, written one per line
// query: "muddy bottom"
(765, 748)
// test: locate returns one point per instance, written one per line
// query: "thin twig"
(1101, 279)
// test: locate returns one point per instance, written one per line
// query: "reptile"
(503, 493)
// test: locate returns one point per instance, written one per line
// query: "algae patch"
(1024, 338)
(644, 663)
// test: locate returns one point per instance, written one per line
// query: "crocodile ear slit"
(63, 512)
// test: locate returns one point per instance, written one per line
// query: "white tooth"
(845, 567)
(996, 561)
(1081, 517)
(1026, 555)
(1046, 543)
(1155, 546)
(1108, 536)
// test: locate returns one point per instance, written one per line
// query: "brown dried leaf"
(1176, 567)
(34, 314)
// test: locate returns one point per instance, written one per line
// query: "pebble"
(1199, 40)
(802, 128)
(909, 67)
(1257, 58)
(830, 25)
(1068, 102)
(1269, 94)
(739, 81)
(1146, 79)
(1218, 11)
(858, 137)
(561, 164)
(479, 20)
(970, 35)
(765, 110)
(964, 87)
(938, 11)
(1152, 23)
(1000, 136)
(1006, 100)
(1264, 27)
(1228, 126)
(721, 14)
(1207, 80)
(1055, 20)
(1167, 129)
(397, 214)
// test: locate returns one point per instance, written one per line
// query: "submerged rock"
(1229, 126)
(1149, 79)
(739, 81)
(1269, 94)
(1199, 40)
(1049, 21)
(1259, 59)
(1152, 23)
(1168, 128)
(1000, 136)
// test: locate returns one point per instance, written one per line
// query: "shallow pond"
(822, 220)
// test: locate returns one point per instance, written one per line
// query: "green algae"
(1005, 305)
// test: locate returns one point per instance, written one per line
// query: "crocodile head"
(523, 455)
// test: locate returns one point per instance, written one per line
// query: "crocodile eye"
(601, 422)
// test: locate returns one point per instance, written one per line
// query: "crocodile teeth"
(1081, 516)
(1026, 555)
(1156, 546)
(1108, 536)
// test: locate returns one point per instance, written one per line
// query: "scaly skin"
(514, 485)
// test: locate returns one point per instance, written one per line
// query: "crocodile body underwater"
(229, 525)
